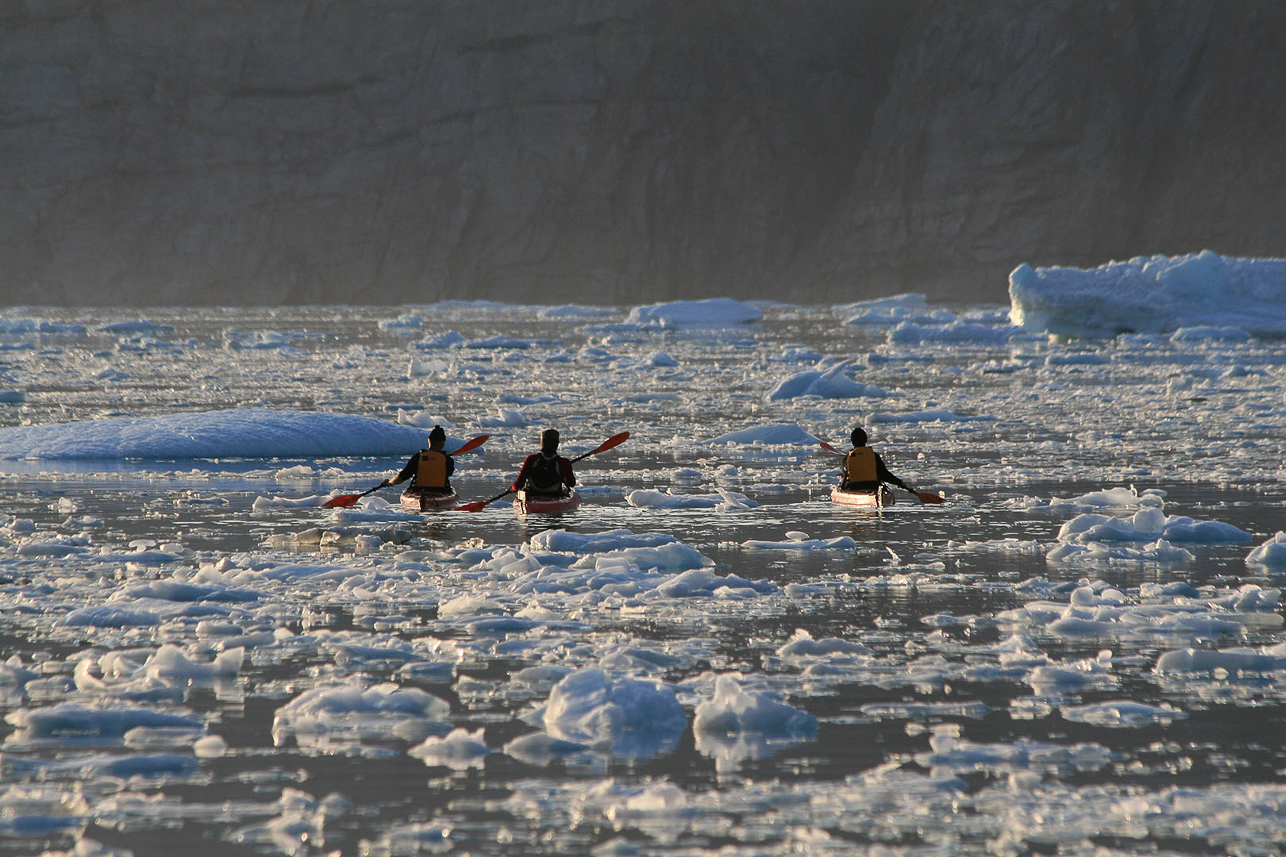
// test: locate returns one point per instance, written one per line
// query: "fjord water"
(959, 678)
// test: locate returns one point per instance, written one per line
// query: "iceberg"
(714, 312)
(235, 433)
(1157, 294)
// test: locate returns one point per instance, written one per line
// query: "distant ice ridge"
(1158, 294)
(236, 433)
(714, 312)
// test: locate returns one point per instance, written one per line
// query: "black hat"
(859, 437)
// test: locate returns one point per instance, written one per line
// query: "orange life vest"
(859, 465)
(432, 470)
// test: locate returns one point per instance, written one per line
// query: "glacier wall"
(197, 152)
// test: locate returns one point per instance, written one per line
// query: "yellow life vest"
(432, 470)
(859, 465)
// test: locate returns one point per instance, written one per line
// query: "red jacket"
(532, 462)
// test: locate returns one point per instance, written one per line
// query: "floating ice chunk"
(714, 312)
(674, 556)
(12, 397)
(699, 582)
(1225, 661)
(262, 503)
(1153, 294)
(109, 616)
(1160, 552)
(737, 724)
(505, 418)
(458, 750)
(648, 499)
(661, 359)
(1271, 554)
(804, 544)
(1120, 497)
(829, 383)
(542, 749)
(1204, 333)
(1148, 524)
(442, 340)
(951, 754)
(770, 435)
(171, 663)
(210, 747)
(22, 326)
(954, 333)
(213, 434)
(802, 644)
(627, 717)
(910, 307)
(70, 723)
(562, 540)
(1073, 677)
(407, 322)
(1123, 713)
(301, 824)
(351, 710)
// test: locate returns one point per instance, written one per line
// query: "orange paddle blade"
(471, 445)
(343, 500)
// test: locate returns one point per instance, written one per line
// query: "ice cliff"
(311, 151)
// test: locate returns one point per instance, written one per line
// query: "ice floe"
(1152, 294)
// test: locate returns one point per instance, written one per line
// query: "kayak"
(863, 499)
(417, 501)
(537, 504)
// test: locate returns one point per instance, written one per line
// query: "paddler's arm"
(521, 479)
(886, 475)
(407, 472)
(565, 469)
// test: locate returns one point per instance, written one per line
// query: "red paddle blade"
(826, 446)
(471, 445)
(614, 440)
(475, 506)
(926, 497)
(342, 500)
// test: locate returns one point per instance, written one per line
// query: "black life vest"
(544, 474)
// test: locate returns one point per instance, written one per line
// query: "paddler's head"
(437, 438)
(549, 441)
(859, 437)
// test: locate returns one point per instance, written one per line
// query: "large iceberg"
(235, 433)
(1157, 294)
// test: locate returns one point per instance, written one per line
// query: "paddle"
(922, 496)
(614, 440)
(346, 500)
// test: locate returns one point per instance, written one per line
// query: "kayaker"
(864, 470)
(545, 472)
(429, 469)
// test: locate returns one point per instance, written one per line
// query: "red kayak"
(544, 504)
(863, 499)
(427, 501)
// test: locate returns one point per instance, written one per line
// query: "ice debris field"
(1081, 652)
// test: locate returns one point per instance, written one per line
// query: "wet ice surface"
(1082, 649)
